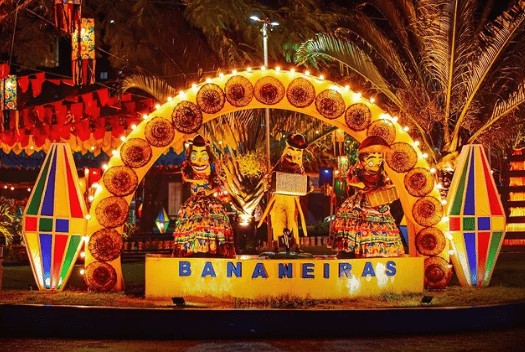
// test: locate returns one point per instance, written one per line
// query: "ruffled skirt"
(366, 231)
(202, 226)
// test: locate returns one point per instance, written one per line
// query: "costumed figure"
(202, 225)
(363, 224)
(285, 206)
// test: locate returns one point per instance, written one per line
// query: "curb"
(191, 323)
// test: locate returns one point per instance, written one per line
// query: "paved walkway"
(500, 340)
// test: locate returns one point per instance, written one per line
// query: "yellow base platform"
(256, 278)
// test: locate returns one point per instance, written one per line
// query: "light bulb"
(234, 72)
(145, 116)
(292, 70)
(157, 106)
(88, 217)
(372, 100)
(170, 98)
(307, 73)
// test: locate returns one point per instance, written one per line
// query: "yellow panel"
(480, 186)
(460, 260)
(497, 223)
(77, 226)
(61, 193)
(33, 250)
(170, 277)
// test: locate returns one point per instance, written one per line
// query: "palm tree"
(450, 72)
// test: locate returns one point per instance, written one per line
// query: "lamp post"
(266, 25)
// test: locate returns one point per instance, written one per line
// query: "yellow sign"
(253, 278)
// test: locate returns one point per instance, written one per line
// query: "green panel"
(458, 199)
(33, 207)
(492, 256)
(74, 242)
(469, 224)
(45, 225)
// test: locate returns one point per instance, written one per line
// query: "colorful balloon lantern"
(162, 221)
(476, 218)
(54, 219)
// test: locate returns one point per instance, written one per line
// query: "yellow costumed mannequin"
(284, 209)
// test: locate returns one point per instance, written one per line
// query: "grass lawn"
(507, 286)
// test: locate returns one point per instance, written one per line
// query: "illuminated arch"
(339, 106)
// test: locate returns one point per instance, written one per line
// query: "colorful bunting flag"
(476, 218)
(54, 220)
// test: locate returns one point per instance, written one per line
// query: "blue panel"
(484, 224)
(49, 198)
(470, 208)
(46, 245)
(62, 225)
(404, 232)
(470, 246)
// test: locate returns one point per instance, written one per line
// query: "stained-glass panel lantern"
(54, 220)
(162, 221)
(476, 218)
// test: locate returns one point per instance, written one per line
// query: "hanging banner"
(68, 14)
(83, 53)
(4, 70)
(8, 93)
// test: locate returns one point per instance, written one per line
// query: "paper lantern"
(83, 52)
(8, 93)
(54, 220)
(476, 218)
(162, 221)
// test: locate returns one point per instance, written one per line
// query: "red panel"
(495, 208)
(58, 256)
(74, 203)
(483, 246)
(30, 223)
(455, 224)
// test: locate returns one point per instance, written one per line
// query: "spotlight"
(427, 299)
(178, 301)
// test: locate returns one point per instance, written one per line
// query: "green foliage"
(452, 74)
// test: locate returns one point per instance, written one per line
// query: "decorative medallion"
(430, 241)
(401, 157)
(239, 91)
(100, 277)
(358, 117)
(186, 117)
(330, 104)
(301, 92)
(105, 245)
(269, 90)
(384, 129)
(135, 153)
(419, 182)
(210, 98)
(120, 180)
(159, 132)
(427, 211)
(437, 272)
(112, 212)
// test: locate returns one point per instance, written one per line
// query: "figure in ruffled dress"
(202, 226)
(360, 228)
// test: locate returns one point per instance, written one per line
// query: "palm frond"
(155, 86)
(501, 33)
(327, 48)
(502, 109)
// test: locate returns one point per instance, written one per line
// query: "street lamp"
(266, 23)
